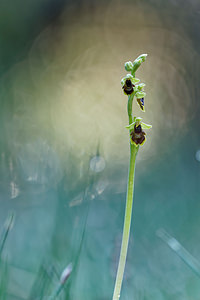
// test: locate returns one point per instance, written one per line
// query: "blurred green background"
(64, 149)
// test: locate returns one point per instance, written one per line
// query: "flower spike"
(131, 88)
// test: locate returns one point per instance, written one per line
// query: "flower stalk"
(127, 222)
(137, 138)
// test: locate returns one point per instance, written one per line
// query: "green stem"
(129, 108)
(128, 210)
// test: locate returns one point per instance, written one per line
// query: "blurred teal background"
(64, 149)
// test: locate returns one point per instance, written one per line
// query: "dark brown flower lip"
(138, 135)
(128, 87)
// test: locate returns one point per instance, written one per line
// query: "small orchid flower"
(136, 131)
(128, 84)
(140, 95)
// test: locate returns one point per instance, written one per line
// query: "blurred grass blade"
(4, 234)
(63, 278)
(42, 283)
(3, 280)
(87, 200)
(180, 251)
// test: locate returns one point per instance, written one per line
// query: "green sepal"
(129, 76)
(140, 95)
(130, 126)
(135, 80)
(137, 121)
(140, 86)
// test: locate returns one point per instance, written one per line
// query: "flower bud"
(137, 62)
(128, 66)
(142, 57)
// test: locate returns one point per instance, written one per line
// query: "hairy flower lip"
(128, 87)
(138, 135)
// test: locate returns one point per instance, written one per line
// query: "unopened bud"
(142, 57)
(128, 66)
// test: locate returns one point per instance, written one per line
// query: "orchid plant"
(133, 89)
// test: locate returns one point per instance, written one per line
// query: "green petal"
(131, 126)
(146, 126)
